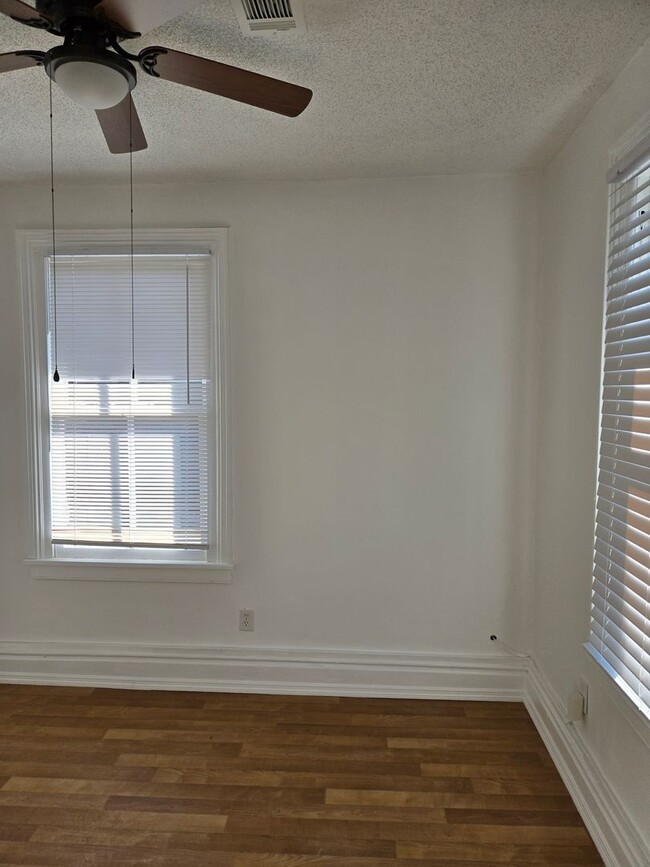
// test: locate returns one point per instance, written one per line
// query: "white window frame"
(33, 248)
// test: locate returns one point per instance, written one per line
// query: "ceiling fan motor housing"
(62, 54)
(65, 12)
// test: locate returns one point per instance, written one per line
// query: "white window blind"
(130, 457)
(620, 605)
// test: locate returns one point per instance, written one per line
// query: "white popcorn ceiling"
(401, 87)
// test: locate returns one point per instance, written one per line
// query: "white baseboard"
(265, 670)
(619, 842)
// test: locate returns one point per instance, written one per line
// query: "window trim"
(33, 246)
(628, 155)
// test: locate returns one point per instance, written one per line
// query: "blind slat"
(627, 192)
(630, 279)
(621, 452)
(628, 328)
(629, 345)
(626, 617)
(628, 255)
(621, 596)
(623, 513)
(629, 570)
(616, 594)
(630, 231)
(620, 610)
(636, 361)
(635, 205)
(624, 470)
(629, 423)
(627, 303)
(615, 544)
(628, 317)
(634, 499)
(629, 532)
(632, 439)
(618, 642)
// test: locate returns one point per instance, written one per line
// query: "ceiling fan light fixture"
(92, 81)
(91, 85)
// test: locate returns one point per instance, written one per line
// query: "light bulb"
(92, 85)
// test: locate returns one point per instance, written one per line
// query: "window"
(620, 603)
(130, 462)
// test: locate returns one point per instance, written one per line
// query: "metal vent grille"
(269, 17)
(274, 24)
(267, 10)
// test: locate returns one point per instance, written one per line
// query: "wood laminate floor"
(167, 779)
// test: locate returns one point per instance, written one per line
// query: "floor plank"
(101, 778)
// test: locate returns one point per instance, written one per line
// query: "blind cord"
(56, 376)
(131, 229)
(187, 324)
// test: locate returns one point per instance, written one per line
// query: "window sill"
(161, 573)
(629, 707)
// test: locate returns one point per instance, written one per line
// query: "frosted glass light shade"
(91, 85)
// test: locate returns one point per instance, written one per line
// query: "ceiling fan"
(95, 71)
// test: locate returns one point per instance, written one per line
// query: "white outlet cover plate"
(246, 620)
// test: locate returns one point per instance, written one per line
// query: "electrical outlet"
(246, 619)
(575, 707)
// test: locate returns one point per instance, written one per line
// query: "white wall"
(382, 369)
(573, 263)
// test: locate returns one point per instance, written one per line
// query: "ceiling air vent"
(269, 17)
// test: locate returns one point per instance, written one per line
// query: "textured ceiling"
(401, 87)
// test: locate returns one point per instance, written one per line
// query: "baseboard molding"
(617, 839)
(265, 670)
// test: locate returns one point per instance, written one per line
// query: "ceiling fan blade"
(229, 81)
(20, 60)
(141, 16)
(22, 12)
(115, 126)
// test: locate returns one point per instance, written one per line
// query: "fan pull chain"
(132, 277)
(187, 323)
(56, 376)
